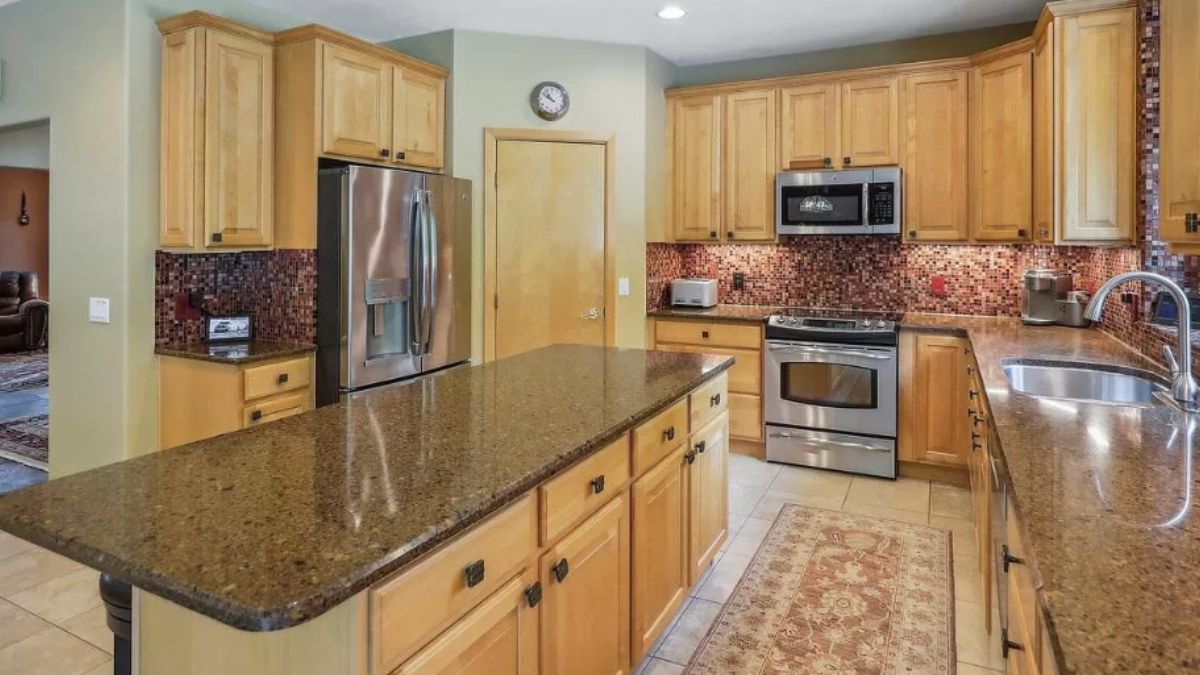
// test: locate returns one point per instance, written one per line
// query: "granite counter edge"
(285, 350)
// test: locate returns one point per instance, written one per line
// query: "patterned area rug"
(26, 440)
(833, 592)
(24, 370)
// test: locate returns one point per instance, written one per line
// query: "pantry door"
(550, 256)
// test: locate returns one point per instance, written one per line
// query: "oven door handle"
(831, 352)
(826, 441)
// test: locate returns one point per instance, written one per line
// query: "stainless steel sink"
(1083, 381)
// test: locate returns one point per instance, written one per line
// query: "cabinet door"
(708, 490)
(239, 146)
(182, 134)
(499, 637)
(585, 606)
(418, 118)
(808, 127)
(1179, 199)
(1097, 125)
(749, 166)
(1044, 221)
(940, 404)
(935, 156)
(1002, 149)
(870, 121)
(696, 168)
(659, 576)
(356, 107)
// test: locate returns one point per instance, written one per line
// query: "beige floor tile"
(745, 470)
(105, 668)
(735, 527)
(968, 669)
(22, 572)
(691, 628)
(967, 586)
(11, 545)
(914, 517)
(975, 646)
(950, 501)
(812, 482)
(750, 537)
(91, 626)
(962, 532)
(907, 494)
(653, 666)
(743, 498)
(17, 624)
(60, 599)
(50, 652)
(724, 578)
(773, 500)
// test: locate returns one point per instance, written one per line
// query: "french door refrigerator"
(393, 276)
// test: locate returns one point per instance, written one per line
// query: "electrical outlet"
(937, 286)
(739, 281)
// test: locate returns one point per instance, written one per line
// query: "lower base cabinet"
(660, 555)
(708, 495)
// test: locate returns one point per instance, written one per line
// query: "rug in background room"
(26, 440)
(24, 370)
(833, 592)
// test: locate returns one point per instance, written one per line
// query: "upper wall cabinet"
(870, 122)
(694, 155)
(1179, 198)
(1002, 148)
(840, 124)
(217, 135)
(934, 156)
(809, 127)
(749, 166)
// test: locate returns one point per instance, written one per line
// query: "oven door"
(850, 389)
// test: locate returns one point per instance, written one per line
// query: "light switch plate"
(623, 286)
(98, 310)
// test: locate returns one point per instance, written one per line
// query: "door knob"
(592, 314)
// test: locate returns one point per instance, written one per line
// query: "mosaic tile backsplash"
(278, 288)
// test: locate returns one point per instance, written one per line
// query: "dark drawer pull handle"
(256, 416)
(704, 334)
(474, 573)
(561, 569)
(533, 594)
(282, 379)
(1007, 645)
(400, 155)
(1008, 558)
(383, 152)
(597, 484)
(846, 161)
(701, 447)
(669, 433)
(690, 456)
(714, 401)
(973, 394)
(217, 237)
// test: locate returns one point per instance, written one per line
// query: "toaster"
(694, 292)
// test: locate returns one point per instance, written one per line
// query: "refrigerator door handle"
(431, 278)
(417, 304)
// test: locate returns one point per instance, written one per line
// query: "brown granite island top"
(747, 313)
(269, 527)
(1105, 498)
(234, 352)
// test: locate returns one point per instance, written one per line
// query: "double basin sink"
(1084, 381)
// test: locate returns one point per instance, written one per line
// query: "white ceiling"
(713, 30)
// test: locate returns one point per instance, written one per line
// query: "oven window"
(832, 385)
(822, 205)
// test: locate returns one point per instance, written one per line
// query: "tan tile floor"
(758, 490)
(53, 619)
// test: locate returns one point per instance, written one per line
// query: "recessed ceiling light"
(672, 12)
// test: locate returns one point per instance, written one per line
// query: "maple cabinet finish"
(570, 497)
(934, 392)
(708, 495)
(1025, 622)
(1179, 190)
(935, 156)
(657, 438)
(749, 165)
(418, 126)
(694, 156)
(660, 549)
(980, 469)
(1044, 188)
(809, 127)
(1002, 149)
(356, 103)
(870, 122)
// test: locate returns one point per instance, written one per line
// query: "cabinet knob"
(704, 334)
(690, 456)
(730, 233)
(973, 394)
(1008, 558)
(384, 152)
(216, 237)
(474, 573)
(846, 161)
(828, 161)
(712, 234)
(1191, 223)
(597, 484)
(282, 379)
(256, 416)
(1022, 233)
(715, 400)
(912, 234)
(533, 594)
(561, 569)
(701, 447)
(1007, 645)
(399, 155)
(669, 433)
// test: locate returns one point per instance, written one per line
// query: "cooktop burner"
(832, 325)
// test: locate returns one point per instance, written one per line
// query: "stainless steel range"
(830, 390)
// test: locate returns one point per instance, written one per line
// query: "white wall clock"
(550, 101)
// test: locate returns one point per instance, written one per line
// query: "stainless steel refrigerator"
(393, 276)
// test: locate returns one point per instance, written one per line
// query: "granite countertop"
(272, 526)
(1104, 494)
(748, 313)
(234, 352)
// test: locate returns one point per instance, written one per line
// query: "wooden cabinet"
(660, 556)
(1044, 189)
(935, 156)
(217, 144)
(809, 127)
(749, 165)
(418, 136)
(708, 488)
(1024, 614)
(356, 103)
(585, 602)
(1179, 190)
(870, 122)
(695, 168)
(1002, 148)
(933, 394)
(980, 469)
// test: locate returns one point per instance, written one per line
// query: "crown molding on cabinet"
(198, 19)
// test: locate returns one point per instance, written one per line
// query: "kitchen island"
(330, 542)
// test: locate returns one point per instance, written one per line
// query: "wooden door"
(418, 118)
(182, 137)
(809, 127)
(499, 637)
(870, 122)
(1098, 125)
(356, 108)
(940, 404)
(659, 577)
(696, 168)
(749, 166)
(239, 146)
(708, 475)
(585, 604)
(550, 248)
(1179, 198)
(1045, 228)
(935, 156)
(1002, 149)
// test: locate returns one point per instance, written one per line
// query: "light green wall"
(436, 48)
(26, 146)
(661, 75)
(925, 48)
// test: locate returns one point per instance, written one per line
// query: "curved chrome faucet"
(1183, 386)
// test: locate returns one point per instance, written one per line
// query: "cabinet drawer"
(572, 496)
(424, 599)
(655, 439)
(745, 376)
(708, 401)
(745, 417)
(274, 409)
(747, 336)
(275, 378)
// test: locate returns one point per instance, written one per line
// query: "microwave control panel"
(882, 199)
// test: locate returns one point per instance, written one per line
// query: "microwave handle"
(866, 203)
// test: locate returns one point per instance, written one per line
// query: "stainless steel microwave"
(855, 201)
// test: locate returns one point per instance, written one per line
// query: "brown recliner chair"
(24, 318)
